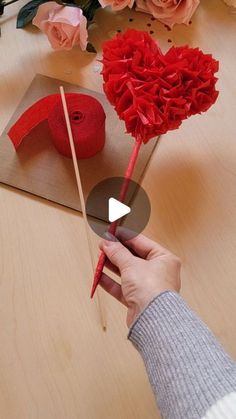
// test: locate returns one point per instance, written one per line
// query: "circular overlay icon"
(104, 206)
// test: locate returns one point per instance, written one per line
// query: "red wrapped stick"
(113, 226)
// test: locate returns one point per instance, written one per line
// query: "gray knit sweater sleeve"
(187, 368)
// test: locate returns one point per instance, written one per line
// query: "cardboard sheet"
(39, 169)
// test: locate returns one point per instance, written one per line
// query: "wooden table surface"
(55, 361)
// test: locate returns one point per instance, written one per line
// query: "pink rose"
(117, 4)
(169, 11)
(64, 26)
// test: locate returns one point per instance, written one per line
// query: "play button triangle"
(117, 209)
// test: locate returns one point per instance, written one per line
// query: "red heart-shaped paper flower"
(154, 92)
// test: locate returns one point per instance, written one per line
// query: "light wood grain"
(55, 362)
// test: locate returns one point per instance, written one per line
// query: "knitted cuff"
(187, 368)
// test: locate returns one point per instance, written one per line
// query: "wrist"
(142, 300)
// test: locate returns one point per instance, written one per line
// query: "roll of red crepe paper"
(87, 119)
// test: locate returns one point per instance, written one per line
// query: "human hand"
(146, 269)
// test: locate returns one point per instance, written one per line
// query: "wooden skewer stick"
(82, 201)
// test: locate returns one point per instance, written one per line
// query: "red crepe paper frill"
(154, 92)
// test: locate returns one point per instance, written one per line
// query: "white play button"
(104, 206)
(116, 209)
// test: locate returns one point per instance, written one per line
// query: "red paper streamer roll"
(87, 119)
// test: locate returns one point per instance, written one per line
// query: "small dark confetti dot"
(149, 24)
(153, 18)
(167, 27)
(131, 20)
(118, 30)
(151, 32)
(190, 22)
(169, 40)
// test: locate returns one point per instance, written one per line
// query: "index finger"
(141, 245)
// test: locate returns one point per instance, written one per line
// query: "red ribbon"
(87, 119)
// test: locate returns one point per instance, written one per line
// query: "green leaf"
(27, 13)
(90, 48)
(66, 3)
(89, 7)
(2, 5)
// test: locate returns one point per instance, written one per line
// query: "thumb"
(117, 253)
